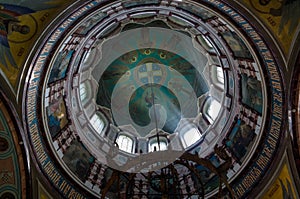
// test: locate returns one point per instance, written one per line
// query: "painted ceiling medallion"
(167, 98)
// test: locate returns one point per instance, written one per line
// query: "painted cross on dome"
(150, 73)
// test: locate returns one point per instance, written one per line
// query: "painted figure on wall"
(9, 23)
(57, 116)
(78, 159)
(281, 18)
(21, 22)
(236, 44)
(159, 98)
(240, 139)
(283, 187)
(287, 9)
(251, 93)
(90, 23)
(287, 192)
(60, 65)
(204, 14)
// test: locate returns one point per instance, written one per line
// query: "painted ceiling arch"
(14, 175)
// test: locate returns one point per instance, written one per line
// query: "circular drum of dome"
(139, 86)
(134, 86)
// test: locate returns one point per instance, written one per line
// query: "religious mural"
(251, 93)
(20, 25)
(209, 180)
(60, 65)
(78, 159)
(281, 16)
(151, 80)
(42, 192)
(57, 119)
(239, 139)
(90, 23)
(236, 45)
(21, 22)
(12, 172)
(283, 187)
(167, 108)
(138, 74)
(136, 3)
(202, 13)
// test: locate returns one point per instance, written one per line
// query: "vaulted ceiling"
(149, 99)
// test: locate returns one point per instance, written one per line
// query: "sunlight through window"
(83, 91)
(154, 146)
(97, 123)
(213, 110)
(220, 75)
(125, 143)
(191, 136)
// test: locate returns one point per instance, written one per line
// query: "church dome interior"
(149, 99)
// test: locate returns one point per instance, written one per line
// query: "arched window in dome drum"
(154, 145)
(211, 109)
(97, 123)
(125, 143)
(220, 75)
(83, 91)
(217, 76)
(191, 136)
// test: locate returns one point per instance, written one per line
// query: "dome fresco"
(151, 79)
(154, 98)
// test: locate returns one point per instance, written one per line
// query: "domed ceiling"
(155, 99)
